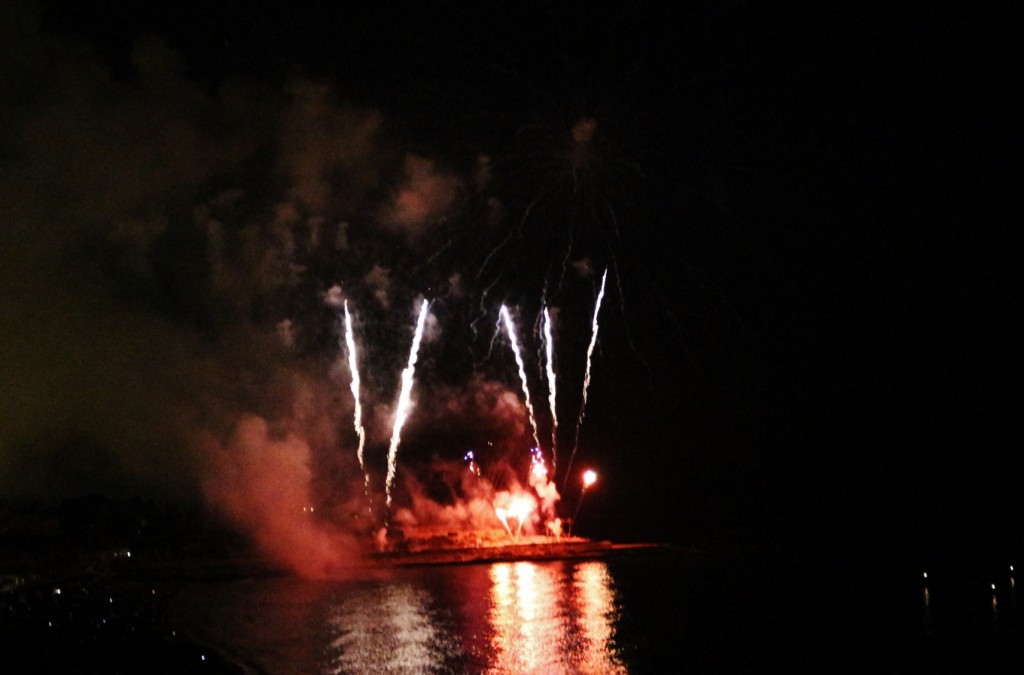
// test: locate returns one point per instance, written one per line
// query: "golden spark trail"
(353, 367)
(510, 327)
(586, 376)
(549, 350)
(403, 400)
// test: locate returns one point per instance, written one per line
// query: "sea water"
(644, 612)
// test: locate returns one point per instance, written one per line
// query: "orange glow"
(520, 507)
(503, 517)
(514, 511)
(553, 617)
(523, 608)
(589, 478)
(595, 601)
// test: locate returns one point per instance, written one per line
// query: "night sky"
(806, 216)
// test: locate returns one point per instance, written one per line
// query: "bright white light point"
(519, 509)
(56, 591)
(589, 478)
(128, 553)
(1011, 568)
(539, 470)
(993, 587)
(925, 575)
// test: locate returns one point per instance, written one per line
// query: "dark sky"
(806, 214)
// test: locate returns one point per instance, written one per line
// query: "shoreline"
(514, 552)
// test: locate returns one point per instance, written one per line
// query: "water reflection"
(524, 617)
(647, 614)
(504, 618)
(553, 617)
(596, 602)
(385, 628)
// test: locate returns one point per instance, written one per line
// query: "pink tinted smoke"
(261, 485)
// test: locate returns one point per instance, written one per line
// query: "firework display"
(532, 504)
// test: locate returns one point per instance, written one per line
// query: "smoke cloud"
(173, 263)
(264, 486)
(424, 196)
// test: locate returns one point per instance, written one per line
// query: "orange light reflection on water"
(595, 600)
(523, 617)
(552, 617)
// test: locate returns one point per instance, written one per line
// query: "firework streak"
(404, 400)
(510, 327)
(586, 376)
(353, 367)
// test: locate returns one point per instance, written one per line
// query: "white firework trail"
(404, 400)
(549, 351)
(350, 343)
(586, 376)
(511, 328)
(503, 517)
